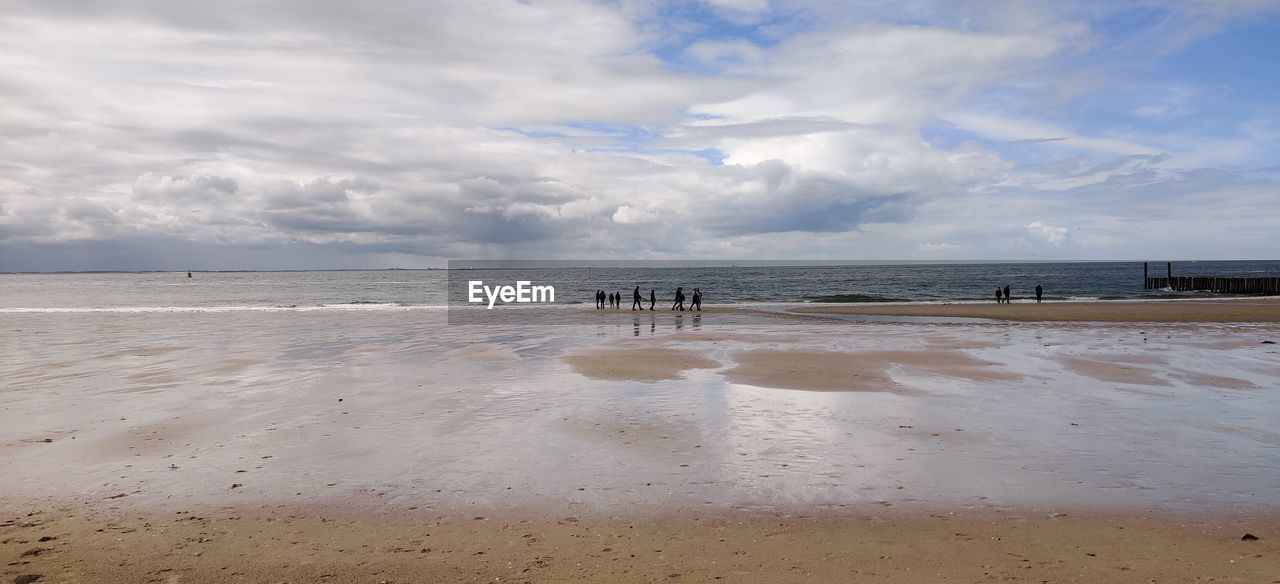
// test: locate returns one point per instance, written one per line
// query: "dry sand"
(404, 545)
(856, 370)
(632, 363)
(1235, 310)
(811, 370)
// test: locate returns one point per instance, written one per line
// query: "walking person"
(636, 299)
(1039, 293)
(599, 299)
(679, 299)
(1008, 298)
(697, 300)
(653, 298)
(999, 295)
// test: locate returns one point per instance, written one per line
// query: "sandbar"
(1234, 310)
(637, 363)
(867, 371)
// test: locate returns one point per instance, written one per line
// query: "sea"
(724, 284)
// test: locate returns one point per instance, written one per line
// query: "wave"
(841, 298)
(369, 307)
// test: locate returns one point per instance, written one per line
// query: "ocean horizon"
(722, 285)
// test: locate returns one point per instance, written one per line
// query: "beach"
(640, 291)
(780, 443)
(403, 545)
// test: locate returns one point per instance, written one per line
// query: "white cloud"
(628, 215)
(1012, 129)
(490, 127)
(1045, 232)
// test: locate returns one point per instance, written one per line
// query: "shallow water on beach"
(175, 408)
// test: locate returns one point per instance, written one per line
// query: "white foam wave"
(155, 309)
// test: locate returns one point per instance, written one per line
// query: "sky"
(311, 134)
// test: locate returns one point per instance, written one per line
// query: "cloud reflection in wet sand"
(402, 406)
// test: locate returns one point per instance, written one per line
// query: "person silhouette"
(653, 298)
(1039, 293)
(617, 299)
(999, 295)
(1008, 298)
(697, 300)
(635, 299)
(679, 303)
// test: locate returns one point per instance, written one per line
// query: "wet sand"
(291, 446)
(406, 545)
(1235, 310)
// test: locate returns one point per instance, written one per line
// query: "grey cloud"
(789, 199)
(319, 128)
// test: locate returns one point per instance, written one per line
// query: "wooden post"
(1169, 266)
(1146, 281)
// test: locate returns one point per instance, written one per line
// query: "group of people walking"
(1004, 296)
(614, 299)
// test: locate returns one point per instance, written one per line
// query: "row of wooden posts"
(1210, 283)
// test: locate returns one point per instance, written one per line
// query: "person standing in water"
(653, 298)
(999, 295)
(1039, 293)
(679, 299)
(1008, 298)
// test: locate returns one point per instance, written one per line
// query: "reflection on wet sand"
(645, 410)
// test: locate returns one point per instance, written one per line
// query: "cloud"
(1029, 131)
(628, 215)
(256, 134)
(1048, 233)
